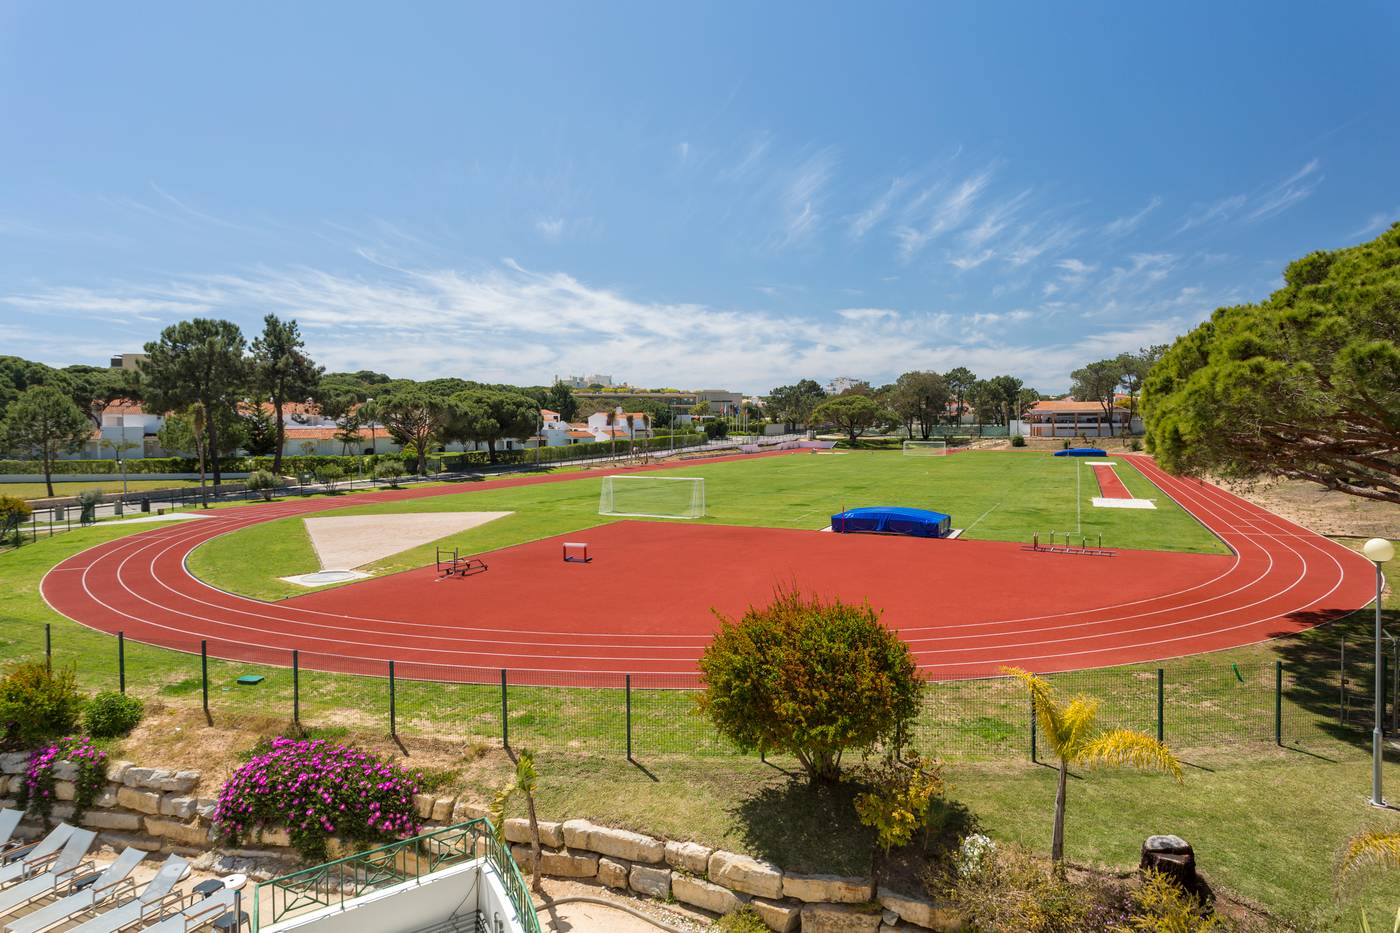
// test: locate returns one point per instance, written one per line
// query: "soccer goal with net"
(925, 448)
(653, 497)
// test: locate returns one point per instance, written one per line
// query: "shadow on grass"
(1329, 673)
(813, 828)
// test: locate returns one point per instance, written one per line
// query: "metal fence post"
(505, 713)
(1161, 725)
(296, 688)
(1278, 702)
(393, 724)
(121, 661)
(628, 689)
(204, 676)
(1034, 760)
(48, 646)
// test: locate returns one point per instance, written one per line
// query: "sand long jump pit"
(344, 543)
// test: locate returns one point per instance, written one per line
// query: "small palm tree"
(1073, 733)
(523, 784)
(1367, 850)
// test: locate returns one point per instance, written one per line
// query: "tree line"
(917, 401)
(220, 392)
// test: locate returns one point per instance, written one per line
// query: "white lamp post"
(1378, 551)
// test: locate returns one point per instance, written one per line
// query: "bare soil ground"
(1323, 510)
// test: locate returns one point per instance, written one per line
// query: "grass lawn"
(993, 495)
(103, 482)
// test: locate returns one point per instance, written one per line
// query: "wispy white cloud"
(1375, 224)
(803, 198)
(949, 213)
(868, 314)
(1288, 192)
(1126, 224)
(865, 221)
(551, 228)
(389, 318)
(1212, 213)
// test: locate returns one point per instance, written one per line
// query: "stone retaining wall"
(158, 810)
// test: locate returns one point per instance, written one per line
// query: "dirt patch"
(595, 918)
(1325, 511)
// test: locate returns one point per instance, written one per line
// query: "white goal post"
(653, 497)
(925, 448)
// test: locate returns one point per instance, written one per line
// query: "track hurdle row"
(1069, 547)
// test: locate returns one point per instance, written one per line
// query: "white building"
(619, 425)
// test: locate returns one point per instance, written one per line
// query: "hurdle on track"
(1069, 547)
(576, 552)
(450, 562)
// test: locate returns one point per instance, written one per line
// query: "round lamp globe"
(1378, 550)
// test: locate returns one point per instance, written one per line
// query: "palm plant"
(522, 784)
(1073, 733)
(1367, 850)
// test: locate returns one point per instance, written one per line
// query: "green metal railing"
(335, 883)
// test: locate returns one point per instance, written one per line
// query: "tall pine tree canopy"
(1305, 385)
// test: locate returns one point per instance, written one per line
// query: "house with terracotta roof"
(1067, 417)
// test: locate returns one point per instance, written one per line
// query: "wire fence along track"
(1198, 705)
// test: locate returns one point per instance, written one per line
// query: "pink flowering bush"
(89, 766)
(317, 790)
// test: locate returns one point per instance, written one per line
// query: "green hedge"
(109, 467)
(457, 462)
(296, 465)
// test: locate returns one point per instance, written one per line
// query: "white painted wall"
(415, 905)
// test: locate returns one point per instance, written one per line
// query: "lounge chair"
(110, 884)
(25, 860)
(53, 875)
(200, 913)
(9, 822)
(154, 900)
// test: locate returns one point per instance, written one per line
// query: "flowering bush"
(38, 792)
(318, 790)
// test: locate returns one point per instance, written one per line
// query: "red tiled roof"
(294, 433)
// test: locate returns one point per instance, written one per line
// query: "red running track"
(1110, 486)
(643, 606)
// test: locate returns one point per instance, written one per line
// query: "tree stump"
(1173, 857)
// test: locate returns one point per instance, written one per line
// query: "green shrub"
(1064, 445)
(37, 704)
(1160, 905)
(330, 476)
(1135, 444)
(88, 501)
(112, 714)
(743, 920)
(13, 512)
(262, 482)
(810, 678)
(1006, 888)
(390, 472)
(1018, 440)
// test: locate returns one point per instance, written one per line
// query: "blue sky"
(709, 195)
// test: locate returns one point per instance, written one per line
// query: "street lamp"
(1378, 551)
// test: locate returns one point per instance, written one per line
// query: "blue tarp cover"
(1081, 452)
(919, 523)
